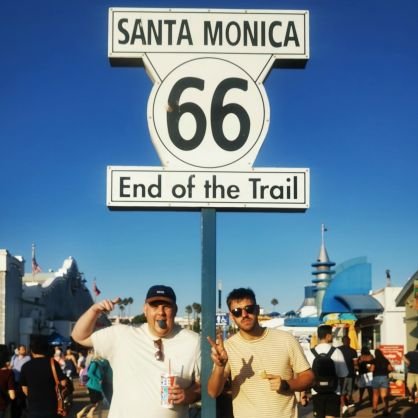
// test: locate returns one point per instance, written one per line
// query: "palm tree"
(197, 307)
(274, 302)
(188, 310)
(130, 302)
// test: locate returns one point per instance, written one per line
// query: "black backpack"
(323, 367)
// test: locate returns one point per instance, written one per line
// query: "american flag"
(35, 266)
(96, 290)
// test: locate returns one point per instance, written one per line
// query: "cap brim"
(162, 298)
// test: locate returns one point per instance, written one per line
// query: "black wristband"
(284, 386)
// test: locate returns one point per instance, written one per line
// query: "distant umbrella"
(57, 339)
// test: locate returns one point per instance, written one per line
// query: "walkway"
(398, 407)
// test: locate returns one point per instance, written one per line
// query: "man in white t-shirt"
(328, 404)
(139, 357)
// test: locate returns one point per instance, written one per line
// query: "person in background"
(364, 364)
(139, 357)
(266, 366)
(381, 368)
(81, 361)
(70, 367)
(38, 382)
(96, 375)
(59, 357)
(7, 384)
(411, 360)
(16, 364)
(327, 405)
(350, 357)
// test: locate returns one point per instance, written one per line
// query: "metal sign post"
(208, 304)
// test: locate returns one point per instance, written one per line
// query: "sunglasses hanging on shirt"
(159, 355)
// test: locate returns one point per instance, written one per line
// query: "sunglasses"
(159, 355)
(250, 309)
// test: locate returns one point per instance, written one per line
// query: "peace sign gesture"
(218, 353)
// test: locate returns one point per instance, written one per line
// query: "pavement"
(81, 399)
(398, 407)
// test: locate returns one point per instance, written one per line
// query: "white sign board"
(134, 32)
(256, 189)
(208, 111)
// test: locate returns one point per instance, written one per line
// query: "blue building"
(342, 295)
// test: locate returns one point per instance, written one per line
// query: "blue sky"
(350, 117)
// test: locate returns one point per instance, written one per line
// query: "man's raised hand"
(218, 353)
(106, 305)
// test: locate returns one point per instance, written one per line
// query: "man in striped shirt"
(266, 366)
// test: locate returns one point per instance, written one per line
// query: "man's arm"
(217, 381)
(218, 377)
(85, 325)
(301, 382)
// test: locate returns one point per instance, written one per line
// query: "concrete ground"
(81, 399)
(398, 407)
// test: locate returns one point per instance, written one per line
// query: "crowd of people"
(154, 370)
(28, 386)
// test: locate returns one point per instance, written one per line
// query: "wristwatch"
(284, 386)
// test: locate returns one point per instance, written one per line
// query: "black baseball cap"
(161, 292)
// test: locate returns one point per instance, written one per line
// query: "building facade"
(42, 303)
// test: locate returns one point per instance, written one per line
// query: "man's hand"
(84, 327)
(105, 305)
(184, 396)
(218, 353)
(177, 394)
(274, 381)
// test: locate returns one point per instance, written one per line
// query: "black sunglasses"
(159, 355)
(250, 309)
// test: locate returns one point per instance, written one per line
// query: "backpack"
(323, 367)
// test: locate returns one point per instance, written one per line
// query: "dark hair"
(416, 348)
(365, 350)
(39, 345)
(323, 331)
(239, 294)
(4, 355)
(380, 359)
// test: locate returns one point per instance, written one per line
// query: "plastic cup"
(167, 381)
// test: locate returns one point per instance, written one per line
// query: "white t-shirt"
(337, 356)
(137, 373)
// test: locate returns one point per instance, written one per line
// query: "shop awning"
(361, 304)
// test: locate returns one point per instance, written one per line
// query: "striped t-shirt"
(275, 352)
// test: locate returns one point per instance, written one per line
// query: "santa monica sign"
(208, 112)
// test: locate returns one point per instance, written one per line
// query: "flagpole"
(33, 257)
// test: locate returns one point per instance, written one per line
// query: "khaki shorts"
(412, 379)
